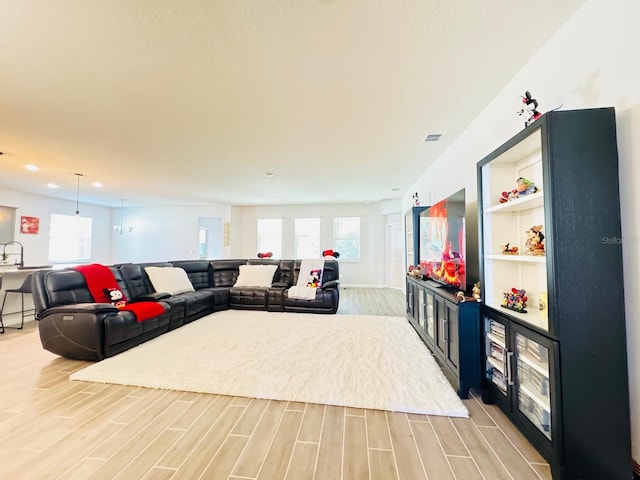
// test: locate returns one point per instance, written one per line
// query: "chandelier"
(120, 229)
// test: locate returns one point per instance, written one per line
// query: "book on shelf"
(497, 329)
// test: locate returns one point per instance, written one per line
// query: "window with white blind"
(346, 237)
(270, 236)
(69, 238)
(307, 237)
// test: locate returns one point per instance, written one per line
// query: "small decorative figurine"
(416, 200)
(476, 291)
(542, 301)
(515, 300)
(523, 187)
(529, 109)
(414, 271)
(535, 241)
(507, 249)
(475, 294)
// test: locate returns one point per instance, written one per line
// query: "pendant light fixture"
(78, 175)
(120, 228)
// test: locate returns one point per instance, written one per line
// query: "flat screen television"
(443, 241)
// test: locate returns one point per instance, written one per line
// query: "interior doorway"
(209, 238)
(395, 256)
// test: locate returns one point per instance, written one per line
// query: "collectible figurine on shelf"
(414, 272)
(529, 109)
(515, 300)
(535, 241)
(507, 249)
(475, 291)
(416, 200)
(523, 187)
(475, 294)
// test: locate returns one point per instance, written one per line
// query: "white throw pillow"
(172, 280)
(256, 275)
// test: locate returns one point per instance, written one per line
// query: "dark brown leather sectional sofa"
(72, 325)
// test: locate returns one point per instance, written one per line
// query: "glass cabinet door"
(496, 372)
(532, 360)
(421, 313)
(430, 318)
(410, 298)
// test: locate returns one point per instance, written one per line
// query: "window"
(346, 236)
(270, 236)
(69, 238)
(307, 233)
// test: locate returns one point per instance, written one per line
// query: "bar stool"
(25, 288)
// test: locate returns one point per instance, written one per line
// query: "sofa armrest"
(91, 308)
(76, 331)
(331, 284)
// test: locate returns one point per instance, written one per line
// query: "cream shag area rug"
(349, 360)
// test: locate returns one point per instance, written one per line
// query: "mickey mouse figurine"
(529, 109)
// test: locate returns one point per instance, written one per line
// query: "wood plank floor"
(53, 428)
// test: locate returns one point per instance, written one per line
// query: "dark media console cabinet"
(451, 330)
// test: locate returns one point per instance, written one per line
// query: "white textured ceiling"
(193, 101)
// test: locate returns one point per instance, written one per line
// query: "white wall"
(36, 247)
(163, 233)
(590, 62)
(159, 233)
(368, 271)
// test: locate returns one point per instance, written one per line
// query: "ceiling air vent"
(433, 137)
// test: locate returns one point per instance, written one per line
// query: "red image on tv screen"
(442, 241)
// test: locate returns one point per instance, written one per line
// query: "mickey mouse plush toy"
(314, 278)
(116, 296)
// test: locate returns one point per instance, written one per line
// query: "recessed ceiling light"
(52, 185)
(97, 184)
(268, 174)
(31, 168)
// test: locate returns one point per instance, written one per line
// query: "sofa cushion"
(172, 280)
(255, 275)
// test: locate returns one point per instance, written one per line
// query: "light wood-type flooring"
(53, 428)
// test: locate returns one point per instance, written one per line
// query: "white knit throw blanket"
(301, 289)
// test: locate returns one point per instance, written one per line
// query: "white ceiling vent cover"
(433, 137)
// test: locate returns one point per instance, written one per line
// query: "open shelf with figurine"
(552, 289)
(513, 208)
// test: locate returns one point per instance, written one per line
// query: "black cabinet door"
(453, 336)
(411, 297)
(442, 330)
(534, 402)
